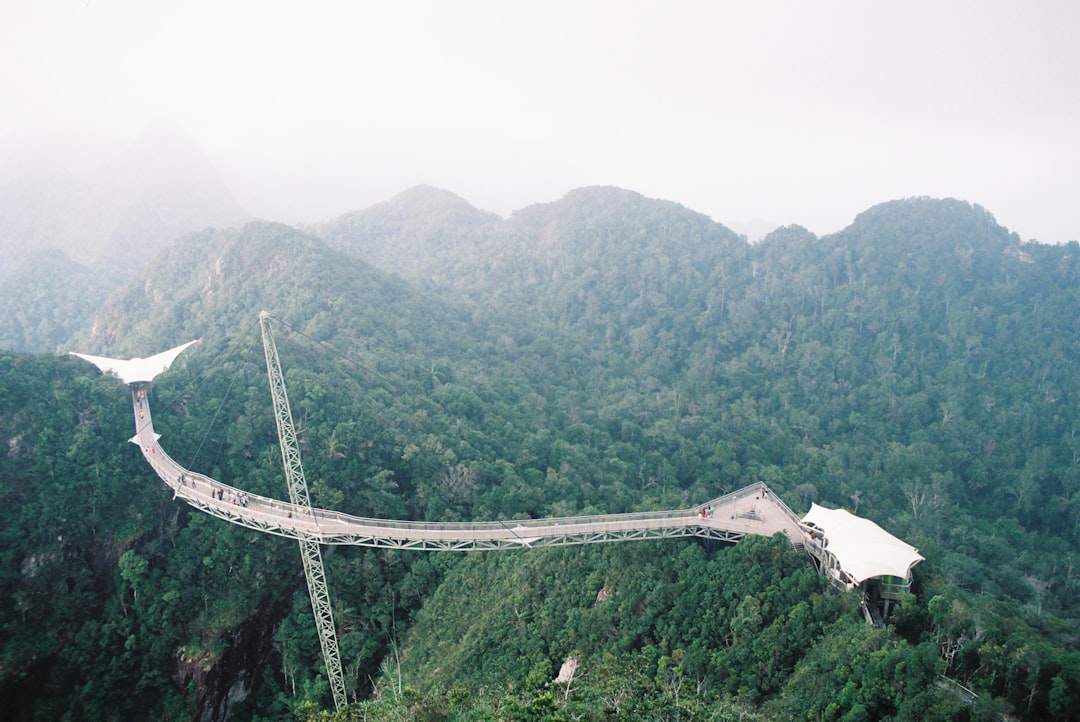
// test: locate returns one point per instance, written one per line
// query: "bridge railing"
(732, 496)
(510, 524)
(543, 522)
(272, 511)
(785, 508)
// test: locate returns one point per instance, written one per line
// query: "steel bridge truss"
(386, 540)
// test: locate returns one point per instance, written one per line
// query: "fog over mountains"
(79, 215)
(111, 206)
(113, 211)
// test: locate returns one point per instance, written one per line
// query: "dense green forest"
(47, 299)
(603, 353)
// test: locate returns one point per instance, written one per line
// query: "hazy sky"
(792, 112)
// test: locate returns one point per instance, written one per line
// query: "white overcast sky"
(791, 112)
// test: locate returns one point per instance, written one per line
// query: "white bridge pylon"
(754, 510)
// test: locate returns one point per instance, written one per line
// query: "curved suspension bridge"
(753, 510)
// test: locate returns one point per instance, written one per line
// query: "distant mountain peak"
(583, 207)
(590, 198)
(908, 215)
(423, 199)
(424, 192)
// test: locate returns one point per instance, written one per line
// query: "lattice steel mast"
(298, 494)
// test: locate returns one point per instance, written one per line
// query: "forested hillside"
(48, 299)
(603, 353)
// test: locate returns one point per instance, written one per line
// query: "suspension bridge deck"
(753, 510)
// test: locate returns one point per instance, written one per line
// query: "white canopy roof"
(135, 370)
(862, 548)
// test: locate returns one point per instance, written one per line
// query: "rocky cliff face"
(220, 684)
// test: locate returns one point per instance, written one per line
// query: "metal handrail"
(324, 523)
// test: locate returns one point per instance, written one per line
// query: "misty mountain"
(118, 213)
(435, 237)
(72, 225)
(925, 240)
(213, 283)
(419, 234)
(609, 264)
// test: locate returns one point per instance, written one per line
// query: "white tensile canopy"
(861, 547)
(135, 370)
